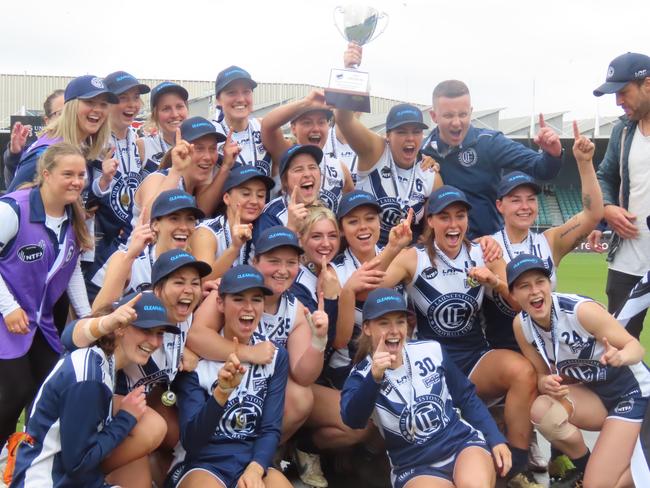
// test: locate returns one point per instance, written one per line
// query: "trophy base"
(348, 100)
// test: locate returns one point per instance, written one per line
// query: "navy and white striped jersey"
(220, 229)
(637, 301)
(253, 152)
(72, 425)
(396, 190)
(414, 407)
(155, 148)
(576, 353)
(446, 306)
(277, 327)
(274, 213)
(497, 313)
(247, 428)
(343, 152)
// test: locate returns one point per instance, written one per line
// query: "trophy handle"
(338, 15)
(383, 16)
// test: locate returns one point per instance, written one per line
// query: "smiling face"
(279, 267)
(361, 229)
(180, 293)
(242, 313)
(311, 128)
(249, 197)
(92, 114)
(123, 114)
(532, 291)
(449, 228)
(174, 230)
(236, 100)
(170, 111)
(393, 327)
(303, 172)
(66, 179)
(321, 239)
(453, 116)
(519, 208)
(203, 160)
(405, 142)
(139, 344)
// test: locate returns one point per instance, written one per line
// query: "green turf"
(586, 274)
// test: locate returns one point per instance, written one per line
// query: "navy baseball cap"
(228, 75)
(167, 87)
(240, 174)
(150, 312)
(87, 87)
(382, 301)
(277, 236)
(326, 111)
(403, 114)
(315, 151)
(354, 199)
(197, 127)
(445, 196)
(241, 278)
(170, 261)
(121, 81)
(171, 201)
(522, 263)
(623, 69)
(513, 180)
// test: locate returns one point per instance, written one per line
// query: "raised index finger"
(321, 301)
(381, 347)
(409, 217)
(236, 343)
(144, 215)
(576, 131)
(541, 121)
(134, 300)
(294, 195)
(179, 138)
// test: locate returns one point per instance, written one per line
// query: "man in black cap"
(624, 178)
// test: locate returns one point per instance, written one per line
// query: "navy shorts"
(633, 408)
(228, 477)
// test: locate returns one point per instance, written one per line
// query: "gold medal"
(240, 420)
(168, 398)
(125, 199)
(472, 283)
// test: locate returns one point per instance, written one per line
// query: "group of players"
(341, 290)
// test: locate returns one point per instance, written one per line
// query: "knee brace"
(554, 424)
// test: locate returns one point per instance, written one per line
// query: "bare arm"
(401, 269)
(118, 274)
(305, 362)
(368, 145)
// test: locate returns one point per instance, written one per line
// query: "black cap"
(170, 261)
(228, 75)
(87, 87)
(326, 111)
(315, 151)
(382, 301)
(240, 174)
(354, 199)
(403, 114)
(513, 180)
(277, 236)
(121, 81)
(196, 127)
(444, 196)
(170, 201)
(623, 69)
(150, 312)
(166, 87)
(242, 278)
(522, 263)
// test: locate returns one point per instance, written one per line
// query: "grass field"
(586, 274)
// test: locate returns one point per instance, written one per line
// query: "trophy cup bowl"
(349, 88)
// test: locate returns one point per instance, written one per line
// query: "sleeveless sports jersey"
(308, 281)
(497, 313)
(343, 152)
(220, 229)
(332, 181)
(253, 152)
(137, 210)
(72, 414)
(575, 353)
(141, 271)
(277, 327)
(396, 190)
(155, 148)
(162, 366)
(446, 306)
(415, 407)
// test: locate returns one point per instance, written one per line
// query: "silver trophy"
(349, 88)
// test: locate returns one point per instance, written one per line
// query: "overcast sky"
(501, 48)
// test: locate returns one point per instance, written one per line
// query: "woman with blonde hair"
(43, 233)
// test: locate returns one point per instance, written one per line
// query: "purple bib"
(35, 274)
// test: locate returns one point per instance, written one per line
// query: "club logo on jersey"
(451, 315)
(264, 166)
(430, 273)
(585, 370)
(468, 157)
(385, 172)
(624, 406)
(329, 199)
(31, 252)
(391, 213)
(427, 418)
(121, 197)
(240, 418)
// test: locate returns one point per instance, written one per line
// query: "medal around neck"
(168, 398)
